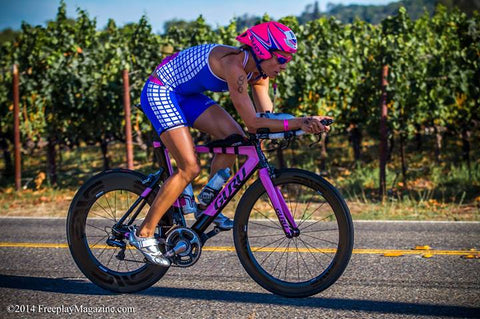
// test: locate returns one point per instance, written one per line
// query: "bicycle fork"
(278, 201)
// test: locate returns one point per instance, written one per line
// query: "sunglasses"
(282, 59)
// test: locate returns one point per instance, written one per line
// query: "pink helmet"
(269, 36)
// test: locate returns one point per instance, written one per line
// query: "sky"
(215, 12)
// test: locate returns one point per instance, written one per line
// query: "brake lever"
(325, 122)
(276, 145)
(319, 138)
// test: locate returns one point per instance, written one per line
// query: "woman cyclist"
(173, 101)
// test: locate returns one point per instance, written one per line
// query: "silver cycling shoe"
(148, 246)
(221, 221)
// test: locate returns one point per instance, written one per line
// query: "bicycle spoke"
(98, 241)
(308, 206)
(108, 203)
(133, 256)
(258, 249)
(290, 203)
(304, 262)
(273, 250)
(267, 235)
(115, 210)
(103, 230)
(267, 226)
(306, 246)
(304, 220)
(318, 221)
(298, 265)
(104, 209)
(278, 263)
(296, 203)
(286, 262)
(126, 265)
(266, 217)
(97, 214)
(327, 241)
(319, 230)
(109, 260)
(104, 249)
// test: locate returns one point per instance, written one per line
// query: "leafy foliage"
(71, 83)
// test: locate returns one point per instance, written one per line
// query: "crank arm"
(214, 232)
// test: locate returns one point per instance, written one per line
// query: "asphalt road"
(38, 280)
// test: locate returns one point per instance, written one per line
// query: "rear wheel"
(300, 266)
(97, 206)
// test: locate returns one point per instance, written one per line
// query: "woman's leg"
(180, 146)
(216, 122)
(219, 124)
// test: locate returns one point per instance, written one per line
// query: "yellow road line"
(304, 250)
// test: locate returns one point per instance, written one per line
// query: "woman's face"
(273, 66)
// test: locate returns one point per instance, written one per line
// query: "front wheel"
(300, 266)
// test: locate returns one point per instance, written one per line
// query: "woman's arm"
(261, 98)
(238, 88)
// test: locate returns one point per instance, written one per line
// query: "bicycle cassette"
(183, 247)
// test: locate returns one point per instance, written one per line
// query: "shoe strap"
(147, 242)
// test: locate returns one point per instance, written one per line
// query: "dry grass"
(48, 203)
(43, 203)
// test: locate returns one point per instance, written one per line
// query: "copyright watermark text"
(71, 309)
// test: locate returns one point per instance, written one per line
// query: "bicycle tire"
(119, 185)
(251, 234)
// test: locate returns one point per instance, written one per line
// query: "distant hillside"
(376, 13)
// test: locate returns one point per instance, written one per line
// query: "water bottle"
(212, 188)
(187, 200)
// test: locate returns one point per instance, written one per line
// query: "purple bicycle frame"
(233, 186)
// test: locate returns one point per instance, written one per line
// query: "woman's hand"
(313, 125)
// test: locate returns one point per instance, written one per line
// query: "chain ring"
(194, 247)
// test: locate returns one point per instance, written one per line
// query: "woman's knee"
(190, 171)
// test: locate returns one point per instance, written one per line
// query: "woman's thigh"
(180, 145)
(217, 122)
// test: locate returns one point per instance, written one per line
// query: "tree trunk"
(16, 129)
(391, 145)
(139, 139)
(128, 124)
(7, 156)
(52, 160)
(323, 152)
(383, 134)
(104, 147)
(402, 156)
(355, 137)
(418, 138)
(438, 143)
(466, 147)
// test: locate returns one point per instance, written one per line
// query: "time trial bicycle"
(293, 232)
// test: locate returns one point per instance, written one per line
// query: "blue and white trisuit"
(172, 96)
